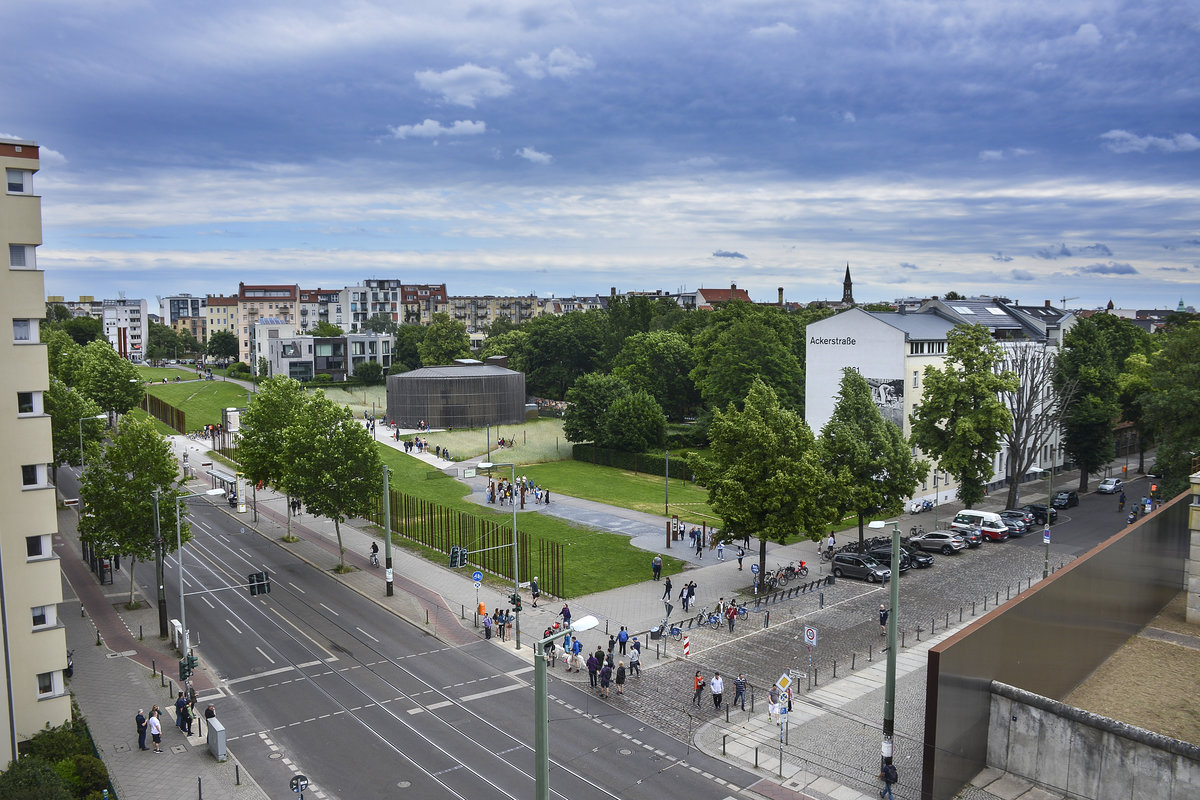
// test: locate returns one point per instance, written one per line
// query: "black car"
(916, 558)
(1065, 499)
(1038, 511)
(884, 556)
(1018, 514)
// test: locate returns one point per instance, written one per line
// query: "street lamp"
(81, 421)
(179, 557)
(516, 579)
(541, 734)
(889, 691)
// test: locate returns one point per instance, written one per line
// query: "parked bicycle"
(794, 571)
(674, 631)
(706, 617)
(916, 530)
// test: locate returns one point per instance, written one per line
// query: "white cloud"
(431, 129)
(991, 155)
(562, 62)
(529, 154)
(1088, 35)
(1022, 275)
(780, 30)
(848, 116)
(465, 85)
(51, 157)
(1000, 155)
(1120, 141)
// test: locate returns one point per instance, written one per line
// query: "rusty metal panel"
(1048, 640)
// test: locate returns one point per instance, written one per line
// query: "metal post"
(387, 530)
(516, 561)
(184, 650)
(667, 494)
(889, 693)
(541, 733)
(158, 573)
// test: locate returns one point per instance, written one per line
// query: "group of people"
(717, 687)
(603, 668)
(185, 715)
(498, 492)
(499, 621)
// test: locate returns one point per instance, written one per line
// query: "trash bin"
(655, 633)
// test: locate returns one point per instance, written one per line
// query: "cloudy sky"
(1030, 149)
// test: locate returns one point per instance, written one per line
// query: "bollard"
(462, 612)
(972, 608)
(723, 738)
(997, 598)
(766, 618)
(751, 699)
(427, 616)
(814, 671)
(237, 774)
(1007, 593)
(918, 633)
(870, 653)
(835, 669)
(985, 602)
(199, 788)
(727, 720)
(822, 605)
(781, 759)
(756, 758)
(140, 635)
(947, 619)
(162, 679)
(902, 638)
(960, 610)
(606, 626)
(852, 661)
(931, 625)
(97, 637)
(153, 668)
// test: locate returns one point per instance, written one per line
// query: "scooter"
(70, 670)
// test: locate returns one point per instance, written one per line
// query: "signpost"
(810, 639)
(298, 784)
(754, 570)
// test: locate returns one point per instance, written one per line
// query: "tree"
(84, 330)
(1133, 392)
(961, 418)
(587, 401)
(222, 344)
(511, 343)
(381, 322)
(333, 463)
(560, 349)
(188, 344)
(405, 354)
(369, 372)
(1086, 364)
(269, 413)
(57, 313)
(118, 488)
(264, 368)
(326, 330)
(633, 423)
(33, 778)
(164, 342)
(870, 467)
(763, 474)
(445, 340)
(1036, 407)
(63, 355)
(660, 362)
(748, 350)
(1172, 405)
(109, 380)
(70, 413)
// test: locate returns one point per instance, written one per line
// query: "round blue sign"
(754, 568)
(477, 576)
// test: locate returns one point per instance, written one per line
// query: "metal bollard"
(153, 668)
(1007, 593)
(835, 669)
(723, 738)
(751, 699)
(902, 638)
(985, 602)
(822, 605)
(947, 619)
(727, 720)
(972, 608)
(870, 653)
(756, 758)
(766, 618)
(931, 625)
(97, 637)
(852, 661)
(997, 598)
(918, 633)
(140, 635)
(814, 683)
(462, 611)
(237, 774)
(199, 788)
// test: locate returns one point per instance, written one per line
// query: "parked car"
(916, 557)
(853, 565)
(973, 538)
(1019, 514)
(986, 523)
(1016, 527)
(884, 556)
(943, 542)
(1110, 486)
(1065, 499)
(1039, 512)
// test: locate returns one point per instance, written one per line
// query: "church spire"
(847, 288)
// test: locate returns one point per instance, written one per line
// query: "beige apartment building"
(263, 301)
(33, 649)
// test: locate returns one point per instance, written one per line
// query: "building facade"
(220, 314)
(421, 301)
(260, 301)
(33, 649)
(172, 307)
(126, 327)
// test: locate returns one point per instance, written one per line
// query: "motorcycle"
(70, 670)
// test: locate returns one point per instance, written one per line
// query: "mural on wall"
(888, 394)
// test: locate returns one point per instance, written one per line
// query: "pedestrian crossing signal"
(259, 582)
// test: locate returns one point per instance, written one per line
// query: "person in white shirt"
(718, 689)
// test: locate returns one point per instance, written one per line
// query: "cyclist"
(374, 554)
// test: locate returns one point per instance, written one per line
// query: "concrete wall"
(1047, 640)
(1193, 573)
(1083, 755)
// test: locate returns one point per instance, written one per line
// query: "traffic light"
(185, 670)
(259, 582)
(191, 662)
(515, 599)
(458, 557)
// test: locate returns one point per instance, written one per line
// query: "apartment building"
(260, 301)
(126, 326)
(220, 314)
(480, 311)
(33, 650)
(421, 301)
(172, 307)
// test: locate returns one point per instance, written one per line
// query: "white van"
(991, 526)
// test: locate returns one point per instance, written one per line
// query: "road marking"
(520, 671)
(467, 698)
(364, 633)
(258, 675)
(235, 627)
(330, 610)
(206, 600)
(297, 588)
(264, 654)
(289, 623)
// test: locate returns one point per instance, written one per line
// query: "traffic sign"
(754, 568)
(785, 680)
(1046, 535)
(298, 783)
(810, 636)
(477, 584)
(477, 576)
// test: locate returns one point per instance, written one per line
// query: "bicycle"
(792, 571)
(707, 618)
(374, 559)
(742, 611)
(674, 631)
(916, 530)
(781, 575)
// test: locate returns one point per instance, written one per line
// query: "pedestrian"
(606, 675)
(773, 703)
(210, 713)
(1121, 503)
(189, 715)
(741, 553)
(739, 690)
(720, 551)
(534, 590)
(593, 666)
(612, 643)
(699, 546)
(667, 589)
(566, 616)
(830, 543)
(883, 615)
(691, 593)
(549, 650)
(636, 646)
(487, 627)
(140, 720)
(547, 497)
(746, 541)
(622, 639)
(888, 776)
(656, 566)
(698, 686)
(718, 690)
(683, 596)
(180, 711)
(635, 662)
(731, 615)
(155, 728)
(620, 677)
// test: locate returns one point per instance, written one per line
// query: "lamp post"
(186, 648)
(541, 734)
(889, 691)
(516, 578)
(81, 421)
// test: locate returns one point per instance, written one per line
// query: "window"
(49, 683)
(20, 181)
(29, 475)
(21, 256)
(43, 616)
(37, 546)
(916, 379)
(25, 403)
(22, 330)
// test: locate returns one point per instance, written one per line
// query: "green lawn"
(201, 401)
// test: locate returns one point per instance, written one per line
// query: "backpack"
(889, 774)
(623, 636)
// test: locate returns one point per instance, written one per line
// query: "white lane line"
(297, 588)
(520, 671)
(369, 636)
(330, 610)
(235, 627)
(206, 600)
(467, 698)
(264, 654)
(258, 675)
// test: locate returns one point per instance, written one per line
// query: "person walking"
(622, 639)
(718, 690)
(691, 593)
(180, 711)
(773, 703)
(487, 627)
(1121, 503)
(739, 690)
(593, 666)
(683, 596)
(731, 615)
(698, 686)
(889, 775)
(619, 678)
(830, 543)
(883, 615)
(533, 590)
(741, 553)
(155, 728)
(667, 589)
(566, 616)
(635, 662)
(140, 721)
(606, 674)
(699, 546)
(720, 551)
(656, 566)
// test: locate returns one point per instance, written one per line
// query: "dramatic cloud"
(465, 85)
(1021, 275)
(1111, 268)
(562, 62)
(727, 254)
(1001, 257)
(1120, 141)
(1053, 252)
(431, 129)
(529, 154)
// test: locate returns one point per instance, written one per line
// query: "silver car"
(944, 542)
(854, 565)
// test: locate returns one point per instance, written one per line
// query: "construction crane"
(1064, 301)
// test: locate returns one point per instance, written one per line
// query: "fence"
(488, 542)
(164, 412)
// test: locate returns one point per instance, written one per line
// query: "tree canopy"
(445, 340)
(961, 418)
(633, 423)
(1172, 404)
(109, 380)
(587, 401)
(1086, 363)
(72, 419)
(660, 363)
(326, 330)
(222, 344)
